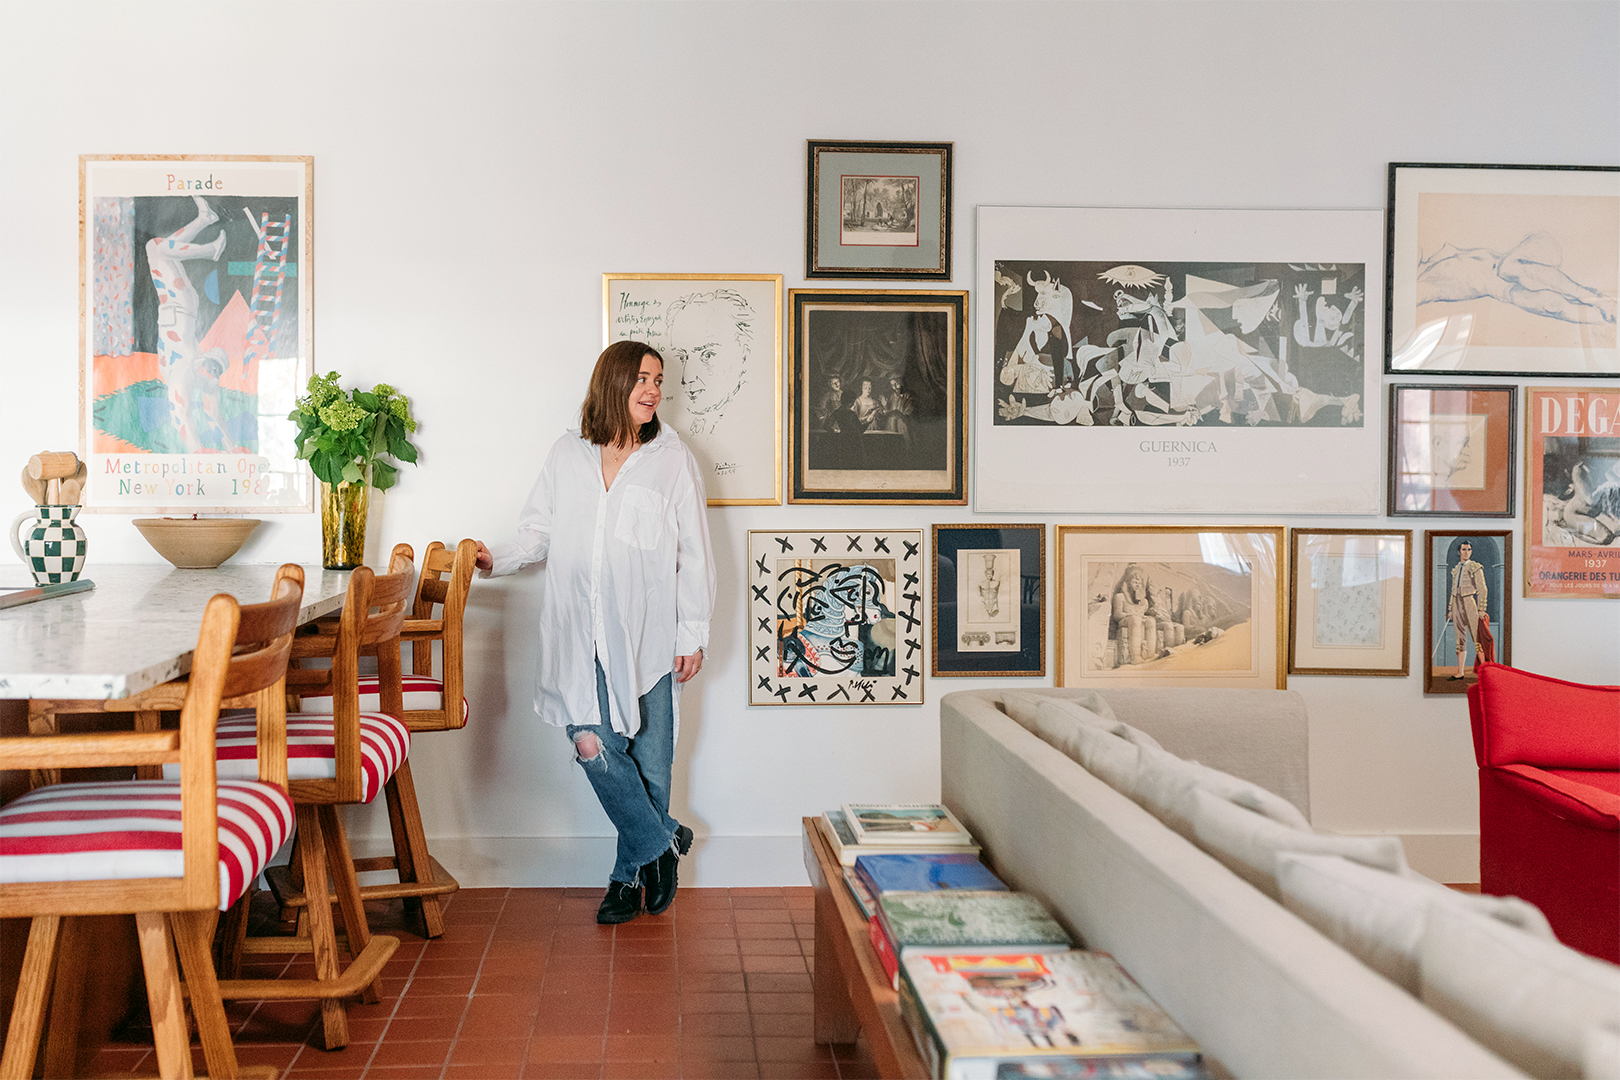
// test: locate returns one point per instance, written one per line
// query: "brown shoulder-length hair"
(605, 418)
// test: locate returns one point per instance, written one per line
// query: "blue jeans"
(632, 776)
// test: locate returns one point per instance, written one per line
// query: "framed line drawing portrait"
(1572, 492)
(989, 599)
(1453, 450)
(1467, 606)
(1171, 605)
(878, 210)
(1176, 361)
(1503, 269)
(1350, 602)
(721, 339)
(835, 617)
(878, 408)
(196, 296)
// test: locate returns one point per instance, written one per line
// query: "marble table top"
(136, 629)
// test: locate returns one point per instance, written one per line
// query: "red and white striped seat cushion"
(131, 829)
(384, 744)
(421, 693)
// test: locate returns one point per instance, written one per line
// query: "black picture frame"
(951, 543)
(899, 198)
(1492, 446)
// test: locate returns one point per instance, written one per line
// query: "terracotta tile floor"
(524, 984)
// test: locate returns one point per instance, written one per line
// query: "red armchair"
(1549, 800)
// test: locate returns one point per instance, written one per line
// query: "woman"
(618, 517)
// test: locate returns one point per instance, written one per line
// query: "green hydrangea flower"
(342, 415)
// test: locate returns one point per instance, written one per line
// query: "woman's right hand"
(485, 560)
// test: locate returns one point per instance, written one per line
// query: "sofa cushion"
(1165, 784)
(1021, 704)
(1522, 718)
(1532, 1001)
(1104, 755)
(1379, 917)
(1601, 1053)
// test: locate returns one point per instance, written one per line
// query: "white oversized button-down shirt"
(630, 575)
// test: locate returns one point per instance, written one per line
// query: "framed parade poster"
(878, 210)
(1572, 492)
(835, 617)
(1503, 269)
(989, 596)
(1350, 602)
(721, 339)
(1177, 361)
(1467, 607)
(1453, 450)
(196, 297)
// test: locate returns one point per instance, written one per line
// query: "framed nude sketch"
(1350, 602)
(721, 339)
(989, 595)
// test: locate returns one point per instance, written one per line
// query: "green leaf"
(401, 448)
(383, 475)
(352, 472)
(365, 399)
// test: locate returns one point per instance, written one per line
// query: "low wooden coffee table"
(852, 994)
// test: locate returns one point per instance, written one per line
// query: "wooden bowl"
(196, 543)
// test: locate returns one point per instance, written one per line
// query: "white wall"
(478, 166)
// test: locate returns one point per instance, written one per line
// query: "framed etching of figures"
(196, 298)
(1453, 450)
(835, 617)
(1572, 492)
(879, 404)
(989, 596)
(1145, 605)
(1467, 607)
(878, 210)
(1177, 361)
(1503, 270)
(1350, 602)
(721, 339)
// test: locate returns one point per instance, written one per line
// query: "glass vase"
(343, 523)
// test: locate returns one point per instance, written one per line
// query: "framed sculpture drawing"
(989, 598)
(1144, 605)
(721, 339)
(1572, 492)
(196, 300)
(1467, 607)
(879, 403)
(1503, 269)
(1350, 602)
(1177, 361)
(1453, 450)
(878, 210)
(835, 617)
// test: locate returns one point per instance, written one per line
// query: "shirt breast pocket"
(641, 517)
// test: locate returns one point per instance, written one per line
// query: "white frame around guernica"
(1169, 469)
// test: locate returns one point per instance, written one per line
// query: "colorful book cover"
(925, 872)
(863, 895)
(841, 838)
(904, 823)
(984, 919)
(884, 948)
(1104, 1069)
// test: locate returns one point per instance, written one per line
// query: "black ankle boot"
(659, 878)
(621, 904)
(683, 839)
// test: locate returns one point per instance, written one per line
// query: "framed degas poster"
(879, 402)
(835, 617)
(1350, 602)
(196, 297)
(878, 210)
(1503, 269)
(1572, 492)
(1143, 605)
(721, 339)
(1177, 361)
(1453, 450)
(1467, 608)
(989, 595)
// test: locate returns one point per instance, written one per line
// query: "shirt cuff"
(690, 636)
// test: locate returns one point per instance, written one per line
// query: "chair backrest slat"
(436, 588)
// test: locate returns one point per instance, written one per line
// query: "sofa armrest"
(1566, 798)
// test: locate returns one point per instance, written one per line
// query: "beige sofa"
(1265, 993)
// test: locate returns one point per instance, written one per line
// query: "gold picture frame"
(1350, 602)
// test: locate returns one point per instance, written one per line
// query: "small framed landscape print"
(879, 397)
(1170, 606)
(989, 593)
(1503, 270)
(1572, 492)
(1467, 608)
(878, 210)
(835, 617)
(1452, 450)
(1350, 602)
(721, 339)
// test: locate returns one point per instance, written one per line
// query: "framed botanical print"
(1503, 269)
(1572, 492)
(1467, 607)
(1453, 450)
(879, 404)
(989, 595)
(1350, 602)
(878, 210)
(835, 617)
(721, 339)
(1144, 605)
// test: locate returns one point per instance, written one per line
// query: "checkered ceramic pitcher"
(55, 547)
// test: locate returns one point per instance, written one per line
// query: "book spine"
(866, 879)
(929, 1044)
(885, 951)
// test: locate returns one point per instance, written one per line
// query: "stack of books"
(867, 829)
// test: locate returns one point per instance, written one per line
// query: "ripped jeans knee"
(588, 748)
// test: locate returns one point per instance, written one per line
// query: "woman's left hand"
(687, 666)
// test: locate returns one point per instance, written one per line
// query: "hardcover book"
(905, 823)
(1104, 1069)
(862, 895)
(925, 872)
(841, 838)
(986, 920)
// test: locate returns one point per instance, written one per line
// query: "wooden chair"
(431, 704)
(71, 850)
